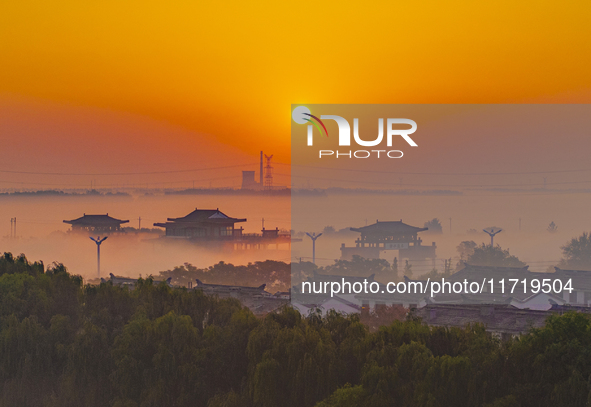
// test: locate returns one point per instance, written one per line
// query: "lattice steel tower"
(268, 172)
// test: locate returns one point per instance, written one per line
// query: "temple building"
(102, 224)
(386, 236)
(203, 224)
(213, 227)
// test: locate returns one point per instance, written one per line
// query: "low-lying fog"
(524, 218)
(42, 235)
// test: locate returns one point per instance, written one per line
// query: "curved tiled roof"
(389, 228)
(203, 215)
(94, 220)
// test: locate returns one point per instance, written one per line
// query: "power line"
(119, 185)
(441, 173)
(438, 185)
(125, 173)
(293, 165)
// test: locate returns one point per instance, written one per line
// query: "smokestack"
(261, 171)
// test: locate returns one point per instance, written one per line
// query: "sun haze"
(227, 72)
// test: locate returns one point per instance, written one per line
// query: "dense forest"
(63, 343)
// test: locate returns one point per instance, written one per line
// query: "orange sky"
(198, 74)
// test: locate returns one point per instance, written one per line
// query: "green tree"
(576, 254)
(359, 266)
(465, 249)
(346, 396)
(487, 255)
(395, 269)
(434, 226)
(65, 345)
(328, 230)
(408, 269)
(507, 401)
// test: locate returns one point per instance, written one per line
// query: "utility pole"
(492, 232)
(139, 226)
(263, 221)
(13, 228)
(314, 236)
(98, 242)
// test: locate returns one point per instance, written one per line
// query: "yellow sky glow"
(231, 69)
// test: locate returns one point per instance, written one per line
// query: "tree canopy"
(434, 226)
(576, 254)
(487, 255)
(69, 345)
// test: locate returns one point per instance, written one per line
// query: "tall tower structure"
(268, 172)
(261, 172)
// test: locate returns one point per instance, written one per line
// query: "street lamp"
(98, 242)
(492, 232)
(314, 236)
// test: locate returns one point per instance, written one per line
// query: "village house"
(305, 298)
(580, 282)
(131, 282)
(498, 293)
(257, 299)
(231, 290)
(491, 295)
(503, 321)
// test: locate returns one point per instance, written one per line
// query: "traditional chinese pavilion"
(211, 226)
(203, 224)
(389, 235)
(96, 224)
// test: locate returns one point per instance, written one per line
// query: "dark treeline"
(279, 276)
(54, 192)
(66, 344)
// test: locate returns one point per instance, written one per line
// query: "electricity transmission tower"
(268, 173)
